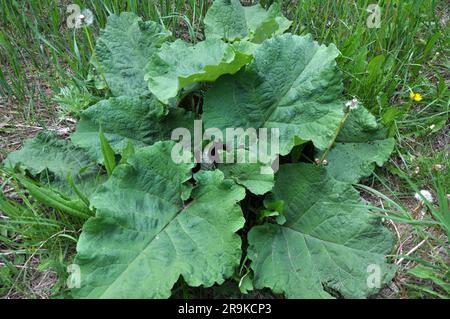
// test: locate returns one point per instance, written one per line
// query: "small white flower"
(352, 105)
(426, 194)
(87, 17)
(432, 127)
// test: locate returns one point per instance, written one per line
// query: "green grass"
(44, 66)
(423, 244)
(34, 240)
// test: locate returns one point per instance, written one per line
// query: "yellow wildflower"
(416, 97)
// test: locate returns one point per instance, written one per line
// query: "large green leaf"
(123, 49)
(361, 144)
(179, 64)
(226, 19)
(46, 152)
(229, 20)
(329, 239)
(86, 184)
(144, 236)
(51, 160)
(124, 119)
(292, 85)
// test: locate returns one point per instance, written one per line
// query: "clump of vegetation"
(155, 220)
(151, 227)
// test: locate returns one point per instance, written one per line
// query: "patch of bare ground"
(38, 283)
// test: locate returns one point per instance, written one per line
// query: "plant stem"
(94, 56)
(339, 129)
